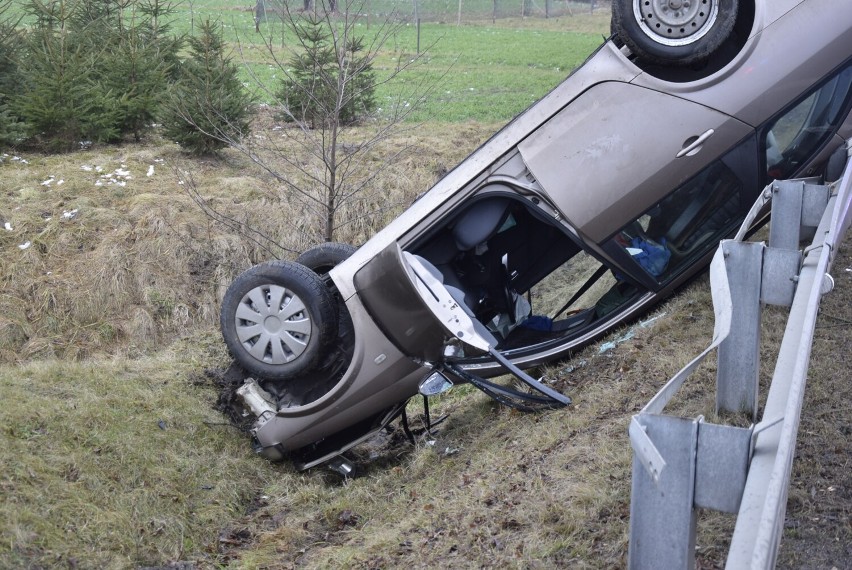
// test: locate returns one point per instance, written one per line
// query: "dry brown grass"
(140, 264)
(90, 479)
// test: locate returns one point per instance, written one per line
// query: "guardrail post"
(662, 517)
(797, 208)
(721, 466)
(739, 355)
(784, 225)
(680, 465)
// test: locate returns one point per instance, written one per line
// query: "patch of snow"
(117, 177)
(25, 245)
(70, 214)
(150, 171)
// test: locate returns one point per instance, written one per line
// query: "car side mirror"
(434, 384)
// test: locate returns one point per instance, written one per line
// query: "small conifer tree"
(11, 129)
(208, 105)
(61, 98)
(138, 70)
(140, 58)
(327, 85)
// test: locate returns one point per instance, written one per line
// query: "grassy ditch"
(114, 457)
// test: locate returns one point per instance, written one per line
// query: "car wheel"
(673, 32)
(333, 364)
(325, 256)
(277, 319)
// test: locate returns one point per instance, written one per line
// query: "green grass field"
(479, 72)
(483, 72)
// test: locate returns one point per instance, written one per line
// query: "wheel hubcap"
(273, 324)
(675, 22)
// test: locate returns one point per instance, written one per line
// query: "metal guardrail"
(683, 464)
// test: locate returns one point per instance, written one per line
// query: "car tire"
(331, 366)
(266, 332)
(673, 32)
(324, 257)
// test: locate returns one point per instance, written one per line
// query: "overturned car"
(584, 211)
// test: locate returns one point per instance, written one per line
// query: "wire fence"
(447, 11)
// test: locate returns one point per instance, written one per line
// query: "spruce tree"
(138, 58)
(208, 104)
(324, 86)
(12, 130)
(138, 70)
(61, 98)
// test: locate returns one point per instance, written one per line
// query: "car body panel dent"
(362, 400)
(600, 144)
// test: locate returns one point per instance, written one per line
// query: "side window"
(690, 221)
(792, 139)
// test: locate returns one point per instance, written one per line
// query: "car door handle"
(693, 144)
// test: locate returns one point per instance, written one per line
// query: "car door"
(618, 148)
(406, 296)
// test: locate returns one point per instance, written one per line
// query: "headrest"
(480, 222)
